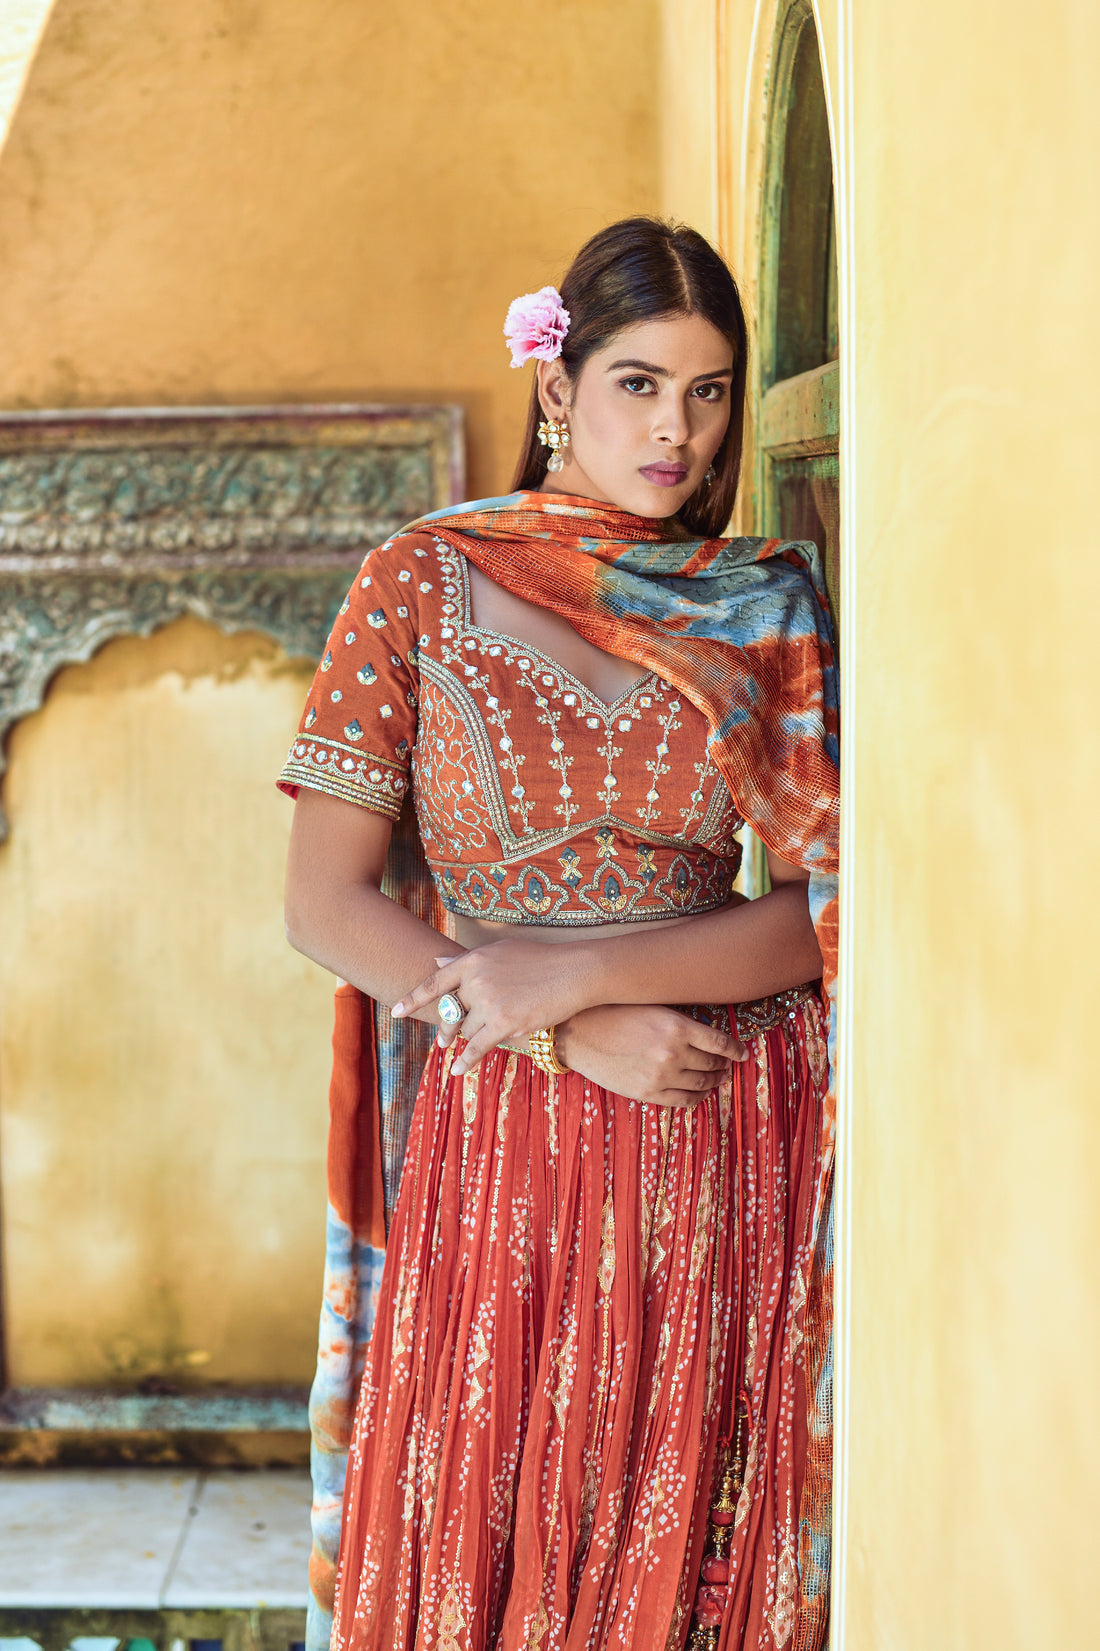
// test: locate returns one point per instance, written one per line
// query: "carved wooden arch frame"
(117, 522)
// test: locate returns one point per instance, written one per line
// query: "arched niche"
(145, 959)
(115, 523)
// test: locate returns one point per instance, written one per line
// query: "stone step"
(143, 1539)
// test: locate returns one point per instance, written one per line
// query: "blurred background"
(295, 202)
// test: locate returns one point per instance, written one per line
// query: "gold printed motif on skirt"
(469, 1096)
(505, 1096)
(651, 1531)
(798, 1302)
(539, 1628)
(725, 1102)
(817, 1052)
(605, 1272)
(750, 1349)
(410, 1481)
(700, 1247)
(662, 1215)
(403, 1313)
(744, 1501)
(451, 1623)
(781, 1616)
(481, 1356)
(762, 1103)
(564, 1362)
(590, 1495)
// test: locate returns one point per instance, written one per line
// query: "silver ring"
(450, 1010)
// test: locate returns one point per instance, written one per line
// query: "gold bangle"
(543, 1053)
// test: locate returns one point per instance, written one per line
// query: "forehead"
(684, 345)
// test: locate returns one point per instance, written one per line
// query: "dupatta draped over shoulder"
(741, 627)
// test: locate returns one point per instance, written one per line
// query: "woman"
(595, 1400)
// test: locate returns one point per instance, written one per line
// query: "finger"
(675, 1097)
(696, 1061)
(445, 979)
(703, 1082)
(715, 1041)
(476, 1050)
(445, 1036)
(469, 1057)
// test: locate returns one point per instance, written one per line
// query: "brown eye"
(636, 386)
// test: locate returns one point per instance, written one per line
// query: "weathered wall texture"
(311, 199)
(164, 1054)
(970, 1150)
(975, 785)
(233, 202)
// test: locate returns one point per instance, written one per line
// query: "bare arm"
(744, 951)
(336, 912)
(337, 915)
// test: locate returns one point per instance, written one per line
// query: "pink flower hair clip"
(536, 325)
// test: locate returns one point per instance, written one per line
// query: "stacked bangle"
(544, 1054)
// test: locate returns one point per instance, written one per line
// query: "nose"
(670, 426)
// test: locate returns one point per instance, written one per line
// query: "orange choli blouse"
(536, 801)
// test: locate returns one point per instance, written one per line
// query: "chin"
(657, 502)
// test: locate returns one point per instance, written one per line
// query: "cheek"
(712, 426)
(614, 421)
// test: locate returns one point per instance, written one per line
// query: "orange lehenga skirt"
(591, 1325)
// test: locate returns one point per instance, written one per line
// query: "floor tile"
(247, 1544)
(90, 1537)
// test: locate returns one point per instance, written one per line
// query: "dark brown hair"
(641, 269)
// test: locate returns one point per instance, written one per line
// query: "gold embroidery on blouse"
(339, 770)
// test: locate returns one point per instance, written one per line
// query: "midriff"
(479, 931)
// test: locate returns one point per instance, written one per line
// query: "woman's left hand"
(509, 989)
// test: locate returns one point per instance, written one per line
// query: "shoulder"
(401, 582)
(403, 559)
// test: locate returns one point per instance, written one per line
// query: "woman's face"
(646, 415)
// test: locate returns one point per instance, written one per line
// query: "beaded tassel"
(714, 1573)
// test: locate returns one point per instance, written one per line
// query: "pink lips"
(664, 475)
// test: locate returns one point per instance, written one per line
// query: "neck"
(668, 528)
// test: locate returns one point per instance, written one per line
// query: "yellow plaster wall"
(974, 790)
(227, 202)
(163, 1060)
(968, 1277)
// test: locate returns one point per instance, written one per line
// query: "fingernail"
(457, 1069)
(398, 1010)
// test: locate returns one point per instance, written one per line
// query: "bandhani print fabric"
(596, 1407)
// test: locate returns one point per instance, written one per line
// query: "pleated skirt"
(588, 1304)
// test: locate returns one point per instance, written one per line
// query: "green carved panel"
(118, 522)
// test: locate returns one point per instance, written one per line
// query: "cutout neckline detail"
(470, 628)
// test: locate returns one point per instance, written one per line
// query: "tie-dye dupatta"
(742, 628)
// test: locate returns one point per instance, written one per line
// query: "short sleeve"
(358, 728)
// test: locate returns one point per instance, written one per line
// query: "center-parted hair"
(641, 269)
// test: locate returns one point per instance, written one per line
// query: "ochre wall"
(164, 1064)
(974, 1436)
(969, 1233)
(229, 202)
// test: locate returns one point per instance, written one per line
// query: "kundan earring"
(554, 433)
(709, 477)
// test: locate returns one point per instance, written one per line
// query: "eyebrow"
(663, 372)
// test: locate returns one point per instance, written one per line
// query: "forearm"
(366, 938)
(742, 952)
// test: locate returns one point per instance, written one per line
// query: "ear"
(554, 388)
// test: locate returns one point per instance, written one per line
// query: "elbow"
(299, 924)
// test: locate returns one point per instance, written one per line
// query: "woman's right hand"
(647, 1053)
